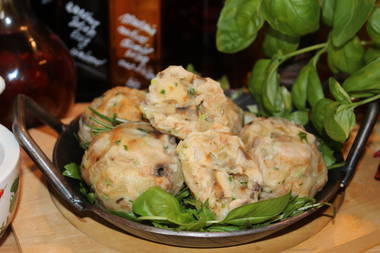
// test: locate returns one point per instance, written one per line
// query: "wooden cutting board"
(42, 226)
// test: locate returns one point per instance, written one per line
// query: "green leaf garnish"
(72, 170)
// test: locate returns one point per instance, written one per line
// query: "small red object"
(1, 192)
(377, 175)
(376, 154)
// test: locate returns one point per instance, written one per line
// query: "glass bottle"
(33, 61)
(83, 27)
(135, 46)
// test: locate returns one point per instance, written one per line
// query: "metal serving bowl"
(67, 150)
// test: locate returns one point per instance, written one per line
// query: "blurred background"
(119, 42)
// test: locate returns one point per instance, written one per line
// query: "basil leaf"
(328, 9)
(367, 79)
(348, 58)
(295, 204)
(318, 113)
(314, 89)
(125, 215)
(327, 153)
(338, 92)
(256, 79)
(276, 43)
(373, 25)
(292, 17)
(371, 54)
(271, 98)
(299, 88)
(286, 97)
(238, 24)
(257, 212)
(349, 17)
(72, 170)
(339, 121)
(223, 228)
(157, 204)
(298, 117)
(203, 215)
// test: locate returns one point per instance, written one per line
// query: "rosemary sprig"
(114, 120)
(103, 123)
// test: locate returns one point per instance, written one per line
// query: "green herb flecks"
(303, 136)
(191, 91)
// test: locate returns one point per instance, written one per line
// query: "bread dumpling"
(217, 169)
(287, 156)
(180, 102)
(120, 102)
(123, 163)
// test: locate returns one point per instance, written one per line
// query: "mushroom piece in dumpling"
(123, 163)
(180, 102)
(120, 102)
(217, 169)
(287, 156)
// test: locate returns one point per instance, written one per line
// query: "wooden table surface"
(40, 227)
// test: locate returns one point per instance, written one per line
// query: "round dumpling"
(218, 170)
(287, 155)
(120, 102)
(123, 163)
(180, 102)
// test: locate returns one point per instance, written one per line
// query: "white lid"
(9, 152)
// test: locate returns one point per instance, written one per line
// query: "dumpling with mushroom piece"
(117, 103)
(123, 163)
(180, 102)
(287, 155)
(217, 169)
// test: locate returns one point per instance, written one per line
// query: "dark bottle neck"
(14, 13)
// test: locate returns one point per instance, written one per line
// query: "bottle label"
(84, 28)
(134, 38)
(135, 35)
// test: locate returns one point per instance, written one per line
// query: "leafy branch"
(329, 108)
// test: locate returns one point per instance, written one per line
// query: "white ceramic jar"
(9, 177)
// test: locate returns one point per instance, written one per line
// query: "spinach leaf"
(277, 43)
(257, 212)
(292, 17)
(238, 24)
(367, 79)
(349, 17)
(158, 205)
(328, 9)
(348, 58)
(338, 92)
(373, 25)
